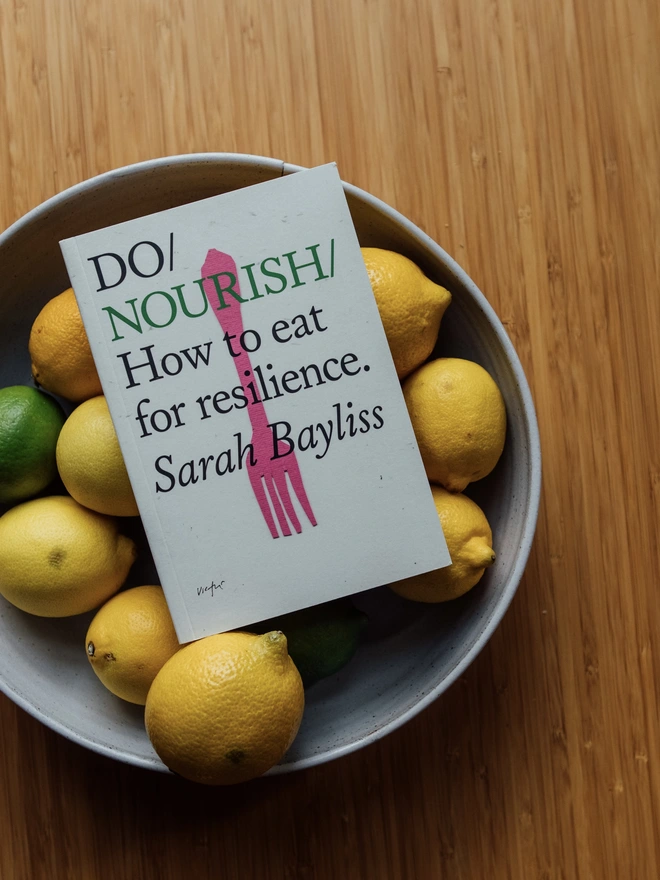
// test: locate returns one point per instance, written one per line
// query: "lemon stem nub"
(274, 644)
(481, 554)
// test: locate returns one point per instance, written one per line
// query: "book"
(256, 403)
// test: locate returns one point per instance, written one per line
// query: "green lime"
(30, 423)
(321, 639)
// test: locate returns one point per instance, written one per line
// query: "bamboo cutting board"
(524, 137)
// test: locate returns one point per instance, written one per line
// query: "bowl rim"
(531, 435)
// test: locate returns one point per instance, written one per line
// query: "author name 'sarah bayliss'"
(345, 422)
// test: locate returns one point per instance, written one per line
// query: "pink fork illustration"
(266, 476)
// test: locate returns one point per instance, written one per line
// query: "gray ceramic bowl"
(412, 653)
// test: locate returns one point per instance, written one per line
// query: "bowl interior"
(411, 652)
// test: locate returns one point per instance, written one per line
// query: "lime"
(321, 639)
(30, 423)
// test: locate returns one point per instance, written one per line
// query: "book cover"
(256, 403)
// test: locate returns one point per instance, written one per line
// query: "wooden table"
(524, 136)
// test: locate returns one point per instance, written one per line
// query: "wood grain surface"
(524, 136)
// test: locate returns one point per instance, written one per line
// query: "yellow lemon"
(58, 558)
(470, 544)
(411, 306)
(459, 419)
(90, 461)
(130, 639)
(226, 708)
(62, 360)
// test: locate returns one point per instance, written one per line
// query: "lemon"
(30, 423)
(226, 708)
(322, 639)
(459, 419)
(411, 306)
(90, 461)
(62, 360)
(58, 558)
(129, 640)
(470, 544)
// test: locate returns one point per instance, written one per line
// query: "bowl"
(411, 652)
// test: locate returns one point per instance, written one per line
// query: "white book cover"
(256, 403)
